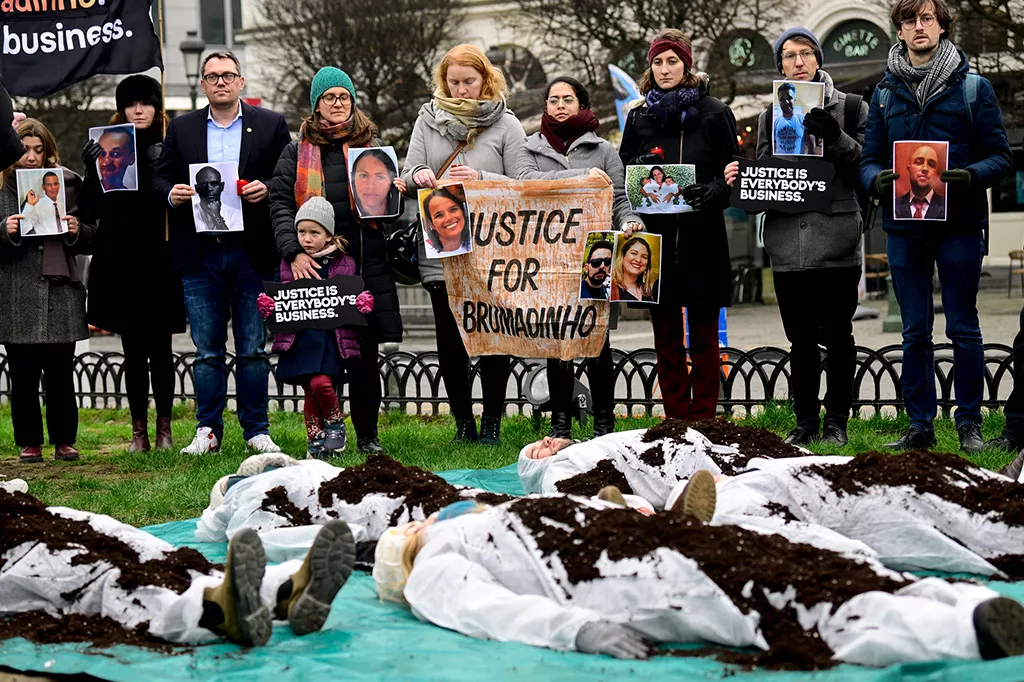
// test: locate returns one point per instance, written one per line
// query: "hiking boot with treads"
(305, 599)
(246, 620)
(698, 498)
(999, 627)
(610, 493)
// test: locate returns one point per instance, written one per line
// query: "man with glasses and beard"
(597, 280)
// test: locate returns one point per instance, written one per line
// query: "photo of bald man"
(918, 192)
(116, 160)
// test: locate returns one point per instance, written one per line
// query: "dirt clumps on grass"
(589, 483)
(730, 556)
(751, 441)
(100, 632)
(276, 502)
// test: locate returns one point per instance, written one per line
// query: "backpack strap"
(851, 114)
(970, 91)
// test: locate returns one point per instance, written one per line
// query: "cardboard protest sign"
(444, 217)
(636, 268)
(659, 189)
(116, 165)
(517, 292)
(41, 201)
(596, 280)
(371, 177)
(315, 304)
(918, 193)
(791, 102)
(783, 185)
(216, 205)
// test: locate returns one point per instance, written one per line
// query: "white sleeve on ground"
(275, 576)
(286, 544)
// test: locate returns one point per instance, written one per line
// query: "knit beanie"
(327, 78)
(797, 32)
(319, 211)
(138, 88)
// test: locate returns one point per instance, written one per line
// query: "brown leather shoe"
(31, 454)
(66, 453)
(163, 433)
(140, 436)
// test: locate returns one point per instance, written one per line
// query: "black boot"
(490, 430)
(913, 439)
(465, 430)
(802, 435)
(561, 425)
(604, 422)
(370, 446)
(970, 437)
(834, 431)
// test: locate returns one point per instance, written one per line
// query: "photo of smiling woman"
(372, 173)
(636, 268)
(445, 220)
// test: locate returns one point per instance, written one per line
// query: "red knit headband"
(681, 49)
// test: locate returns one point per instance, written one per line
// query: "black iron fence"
(412, 381)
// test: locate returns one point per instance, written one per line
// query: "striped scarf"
(928, 79)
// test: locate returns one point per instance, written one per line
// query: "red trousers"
(321, 405)
(687, 393)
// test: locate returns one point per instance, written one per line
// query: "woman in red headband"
(689, 126)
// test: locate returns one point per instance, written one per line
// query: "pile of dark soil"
(751, 441)
(493, 499)
(589, 483)
(27, 520)
(781, 511)
(728, 555)
(276, 501)
(101, 632)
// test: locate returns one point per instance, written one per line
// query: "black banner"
(315, 304)
(48, 45)
(784, 185)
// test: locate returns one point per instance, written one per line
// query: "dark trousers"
(600, 373)
(1014, 409)
(365, 393)
(817, 308)
(687, 393)
(145, 355)
(55, 362)
(454, 363)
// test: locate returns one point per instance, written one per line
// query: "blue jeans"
(912, 261)
(225, 286)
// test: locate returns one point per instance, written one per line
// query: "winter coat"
(538, 160)
(981, 148)
(366, 243)
(131, 286)
(348, 338)
(804, 241)
(37, 309)
(695, 267)
(494, 153)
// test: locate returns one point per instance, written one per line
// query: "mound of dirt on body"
(589, 483)
(751, 441)
(100, 632)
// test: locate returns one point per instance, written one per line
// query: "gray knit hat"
(318, 210)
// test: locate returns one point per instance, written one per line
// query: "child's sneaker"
(316, 450)
(335, 440)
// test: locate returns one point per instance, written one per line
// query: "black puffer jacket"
(695, 268)
(365, 243)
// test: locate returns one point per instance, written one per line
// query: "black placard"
(315, 304)
(784, 185)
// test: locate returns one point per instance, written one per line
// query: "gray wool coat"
(806, 241)
(38, 310)
(494, 152)
(538, 160)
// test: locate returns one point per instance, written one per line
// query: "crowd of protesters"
(144, 283)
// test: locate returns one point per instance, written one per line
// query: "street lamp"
(192, 52)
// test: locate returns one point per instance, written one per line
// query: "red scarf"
(562, 135)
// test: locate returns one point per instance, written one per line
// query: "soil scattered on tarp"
(728, 555)
(493, 499)
(100, 632)
(751, 441)
(26, 519)
(276, 502)
(589, 483)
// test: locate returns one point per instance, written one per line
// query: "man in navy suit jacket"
(224, 273)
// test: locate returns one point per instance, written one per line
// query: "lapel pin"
(248, 130)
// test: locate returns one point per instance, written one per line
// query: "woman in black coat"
(314, 164)
(132, 290)
(688, 126)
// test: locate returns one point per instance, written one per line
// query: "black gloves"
(961, 175)
(90, 154)
(153, 153)
(699, 196)
(820, 123)
(884, 180)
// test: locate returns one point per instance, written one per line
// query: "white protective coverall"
(33, 577)
(482, 575)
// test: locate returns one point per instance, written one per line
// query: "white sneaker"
(262, 444)
(203, 444)
(15, 485)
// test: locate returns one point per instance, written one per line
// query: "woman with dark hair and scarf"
(567, 146)
(679, 116)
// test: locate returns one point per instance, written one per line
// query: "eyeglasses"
(212, 78)
(927, 20)
(599, 262)
(805, 55)
(568, 100)
(330, 98)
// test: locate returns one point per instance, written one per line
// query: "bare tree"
(388, 48)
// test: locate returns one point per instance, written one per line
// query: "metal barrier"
(412, 381)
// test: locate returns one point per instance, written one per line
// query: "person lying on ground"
(64, 561)
(574, 574)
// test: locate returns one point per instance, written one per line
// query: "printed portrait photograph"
(216, 205)
(636, 267)
(791, 100)
(116, 167)
(41, 200)
(444, 215)
(659, 189)
(371, 179)
(918, 193)
(596, 275)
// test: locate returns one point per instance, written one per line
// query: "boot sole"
(248, 564)
(999, 626)
(698, 498)
(30, 460)
(328, 565)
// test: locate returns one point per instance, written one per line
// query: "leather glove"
(884, 180)
(960, 175)
(820, 123)
(153, 153)
(90, 154)
(699, 196)
(647, 160)
(612, 639)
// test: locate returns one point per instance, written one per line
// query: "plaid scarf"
(928, 79)
(464, 119)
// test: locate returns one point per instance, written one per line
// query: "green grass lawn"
(159, 486)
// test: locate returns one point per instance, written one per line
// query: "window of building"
(213, 17)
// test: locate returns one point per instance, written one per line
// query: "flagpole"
(163, 93)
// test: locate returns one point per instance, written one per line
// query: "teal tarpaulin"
(365, 639)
